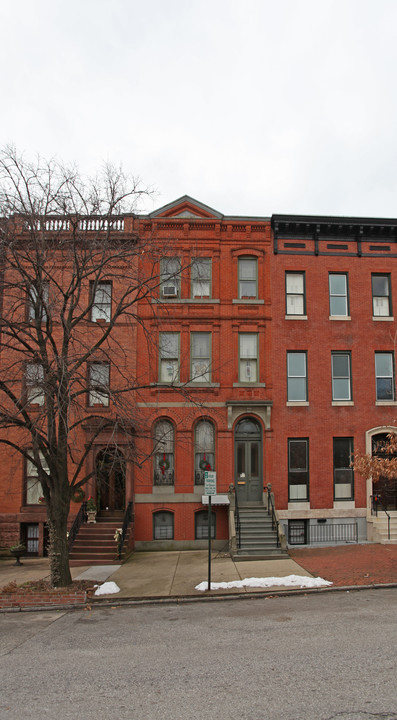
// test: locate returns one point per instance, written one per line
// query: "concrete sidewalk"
(160, 574)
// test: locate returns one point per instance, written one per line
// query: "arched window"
(204, 450)
(201, 525)
(163, 525)
(164, 453)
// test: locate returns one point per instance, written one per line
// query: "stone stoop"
(380, 525)
(95, 543)
(258, 539)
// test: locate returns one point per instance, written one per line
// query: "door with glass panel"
(248, 461)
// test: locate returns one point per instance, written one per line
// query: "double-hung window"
(204, 442)
(34, 489)
(295, 293)
(297, 376)
(338, 295)
(381, 296)
(164, 453)
(169, 357)
(384, 374)
(248, 278)
(201, 277)
(98, 384)
(343, 473)
(35, 384)
(102, 302)
(200, 357)
(298, 469)
(341, 376)
(248, 357)
(170, 278)
(38, 297)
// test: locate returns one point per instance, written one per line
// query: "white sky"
(253, 107)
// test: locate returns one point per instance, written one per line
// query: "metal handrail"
(237, 521)
(126, 522)
(77, 523)
(271, 511)
(376, 500)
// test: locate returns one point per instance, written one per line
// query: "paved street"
(312, 657)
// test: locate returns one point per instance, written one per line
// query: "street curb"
(97, 603)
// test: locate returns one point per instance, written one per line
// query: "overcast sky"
(253, 107)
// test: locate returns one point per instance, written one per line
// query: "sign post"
(209, 490)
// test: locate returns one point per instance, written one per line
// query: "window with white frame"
(169, 357)
(163, 525)
(248, 357)
(248, 277)
(298, 469)
(338, 295)
(297, 376)
(201, 277)
(343, 473)
(384, 374)
(201, 525)
(295, 293)
(170, 269)
(35, 384)
(34, 489)
(341, 376)
(98, 384)
(204, 450)
(102, 302)
(200, 357)
(38, 298)
(163, 453)
(381, 296)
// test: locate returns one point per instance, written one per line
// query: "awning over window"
(216, 500)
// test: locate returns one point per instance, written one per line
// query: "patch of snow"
(108, 588)
(288, 581)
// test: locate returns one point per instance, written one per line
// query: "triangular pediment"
(187, 207)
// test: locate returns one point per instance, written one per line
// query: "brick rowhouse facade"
(267, 355)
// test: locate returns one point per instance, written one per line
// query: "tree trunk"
(59, 546)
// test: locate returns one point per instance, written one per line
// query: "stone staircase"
(258, 539)
(380, 527)
(95, 543)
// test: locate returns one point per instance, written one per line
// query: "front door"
(111, 480)
(248, 461)
(384, 490)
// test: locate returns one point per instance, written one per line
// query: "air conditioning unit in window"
(170, 291)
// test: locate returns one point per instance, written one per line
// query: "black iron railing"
(126, 522)
(272, 512)
(377, 504)
(77, 523)
(333, 532)
(237, 521)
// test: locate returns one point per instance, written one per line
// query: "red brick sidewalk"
(350, 564)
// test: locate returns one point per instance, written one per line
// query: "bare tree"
(70, 284)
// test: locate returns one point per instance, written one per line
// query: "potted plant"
(17, 551)
(91, 510)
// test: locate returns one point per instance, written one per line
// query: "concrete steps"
(95, 543)
(258, 538)
(380, 527)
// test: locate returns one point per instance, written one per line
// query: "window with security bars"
(298, 469)
(201, 277)
(297, 532)
(248, 278)
(102, 302)
(204, 451)
(170, 271)
(30, 534)
(201, 525)
(35, 384)
(164, 453)
(248, 357)
(343, 473)
(384, 375)
(381, 296)
(200, 357)
(169, 357)
(163, 525)
(295, 293)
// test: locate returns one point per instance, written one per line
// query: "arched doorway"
(384, 489)
(110, 478)
(248, 461)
